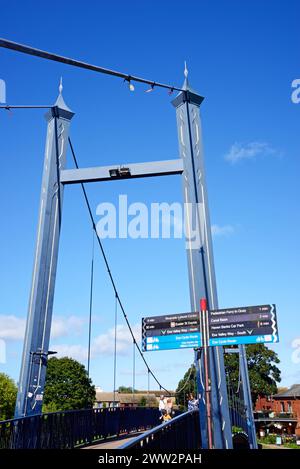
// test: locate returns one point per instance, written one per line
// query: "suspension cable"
(110, 273)
(91, 303)
(8, 107)
(186, 381)
(77, 63)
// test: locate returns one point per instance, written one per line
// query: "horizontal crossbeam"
(128, 171)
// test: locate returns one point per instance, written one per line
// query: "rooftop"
(293, 391)
(124, 398)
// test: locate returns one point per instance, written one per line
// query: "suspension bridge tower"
(200, 260)
(37, 335)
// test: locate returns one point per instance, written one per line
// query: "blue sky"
(243, 57)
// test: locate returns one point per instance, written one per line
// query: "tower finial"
(60, 88)
(187, 93)
(60, 100)
(186, 72)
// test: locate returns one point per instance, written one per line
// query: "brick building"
(281, 411)
(285, 402)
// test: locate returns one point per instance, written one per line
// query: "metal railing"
(180, 433)
(237, 409)
(269, 415)
(75, 428)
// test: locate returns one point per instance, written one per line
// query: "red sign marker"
(203, 304)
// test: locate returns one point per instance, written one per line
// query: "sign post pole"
(203, 316)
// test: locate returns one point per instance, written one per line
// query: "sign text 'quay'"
(245, 325)
(173, 331)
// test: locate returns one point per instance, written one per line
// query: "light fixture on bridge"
(151, 88)
(124, 172)
(114, 173)
(43, 353)
(130, 85)
(119, 172)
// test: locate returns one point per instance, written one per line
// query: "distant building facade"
(136, 399)
(281, 411)
(285, 402)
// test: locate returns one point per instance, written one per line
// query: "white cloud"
(62, 326)
(225, 230)
(13, 327)
(78, 352)
(137, 372)
(143, 372)
(103, 344)
(248, 151)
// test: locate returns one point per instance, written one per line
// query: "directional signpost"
(219, 327)
(245, 325)
(234, 326)
(174, 331)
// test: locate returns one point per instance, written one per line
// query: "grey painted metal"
(199, 253)
(247, 397)
(77, 63)
(136, 170)
(200, 261)
(37, 335)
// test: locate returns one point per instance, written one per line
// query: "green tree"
(143, 402)
(126, 390)
(8, 396)
(186, 386)
(68, 386)
(263, 372)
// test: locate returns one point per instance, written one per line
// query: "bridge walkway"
(114, 443)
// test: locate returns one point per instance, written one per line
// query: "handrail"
(182, 431)
(60, 412)
(155, 429)
(74, 428)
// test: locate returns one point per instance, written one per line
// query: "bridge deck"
(114, 443)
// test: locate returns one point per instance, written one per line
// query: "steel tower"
(200, 260)
(37, 335)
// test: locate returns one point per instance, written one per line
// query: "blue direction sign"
(245, 325)
(174, 331)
